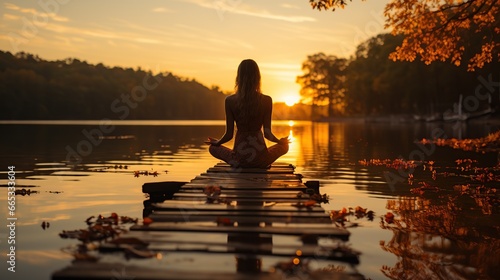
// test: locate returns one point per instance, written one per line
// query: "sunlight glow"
(291, 100)
(291, 137)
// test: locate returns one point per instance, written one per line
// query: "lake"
(78, 169)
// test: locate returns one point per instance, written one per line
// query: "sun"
(291, 100)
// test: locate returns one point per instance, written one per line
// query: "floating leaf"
(389, 218)
(147, 221)
(224, 222)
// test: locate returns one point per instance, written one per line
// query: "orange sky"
(201, 39)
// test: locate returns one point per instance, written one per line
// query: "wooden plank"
(255, 181)
(247, 182)
(106, 271)
(251, 176)
(275, 214)
(245, 186)
(247, 194)
(162, 187)
(275, 167)
(259, 197)
(274, 164)
(156, 244)
(162, 216)
(250, 170)
(234, 185)
(196, 206)
(330, 231)
(245, 200)
(289, 192)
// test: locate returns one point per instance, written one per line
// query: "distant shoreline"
(394, 119)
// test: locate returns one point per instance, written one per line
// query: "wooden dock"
(251, 215)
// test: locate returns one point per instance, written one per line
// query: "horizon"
(206, 46)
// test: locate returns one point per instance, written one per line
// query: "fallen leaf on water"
(128, 220)
(320, 198)
(360, 210)
(310, 203)
(147, 221)
(45, 225)
(389, 218)
(224, 222)
(24, 192)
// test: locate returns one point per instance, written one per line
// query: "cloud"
(238, 7)
(10, 17)
(282, 71)
(35, 13)
(186, 36)
(161, 10)
(289, 6)
(147, 41)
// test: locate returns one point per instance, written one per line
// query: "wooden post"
(314, 185)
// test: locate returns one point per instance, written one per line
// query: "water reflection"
(450, 236)
(440, 238)
(43, 150)
(444, 236)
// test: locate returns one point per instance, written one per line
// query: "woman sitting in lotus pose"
(251, 110)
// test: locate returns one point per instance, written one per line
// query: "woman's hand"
(284, 141)
(212, 141)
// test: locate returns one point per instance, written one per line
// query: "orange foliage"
(490, 143)
(389, 218)
(339, 217)
(439, 30)
(147, 221)
(395, 164)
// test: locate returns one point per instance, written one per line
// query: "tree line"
(369, 83)
(32, 88)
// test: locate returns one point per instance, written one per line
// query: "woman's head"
(248, 78)
(248, 91)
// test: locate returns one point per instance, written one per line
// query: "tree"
(74, 89)
(323, 81)
(437, 30)
(376, 85)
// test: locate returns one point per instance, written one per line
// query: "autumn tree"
(323, 81)
(440, 30)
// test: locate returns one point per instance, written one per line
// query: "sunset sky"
(200, 39)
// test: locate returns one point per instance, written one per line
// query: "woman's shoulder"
(266, 96)
(267, 99)
(231, 98)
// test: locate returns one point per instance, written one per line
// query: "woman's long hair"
(248, 90)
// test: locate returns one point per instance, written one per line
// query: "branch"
(328, 4)
(463, 14)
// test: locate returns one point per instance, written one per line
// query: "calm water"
(435, 237)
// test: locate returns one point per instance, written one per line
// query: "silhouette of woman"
(251, 110)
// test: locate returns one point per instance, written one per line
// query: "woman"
(251, 110)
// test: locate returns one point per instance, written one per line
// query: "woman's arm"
(268, 111)
(228, 135)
